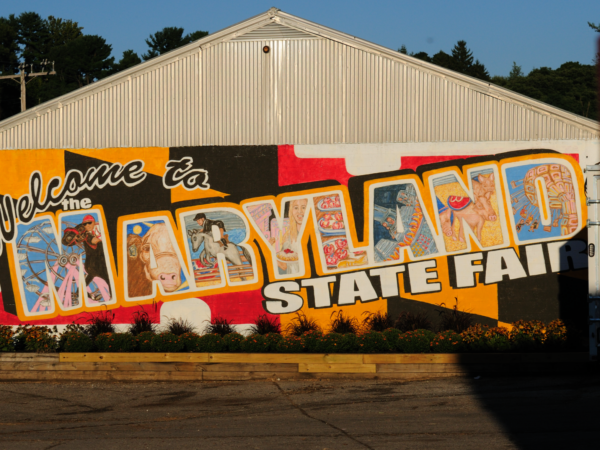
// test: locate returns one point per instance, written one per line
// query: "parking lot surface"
(454, 413)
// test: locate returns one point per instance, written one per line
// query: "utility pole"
(21, 76)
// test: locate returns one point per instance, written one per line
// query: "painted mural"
(250, 230)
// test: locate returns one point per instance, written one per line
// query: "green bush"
(191, 342)
(211, 343)
(474, 338)
(446, 342)
(166, 342)
(415, 341)
(143, 341)
(76, 342)
(373, 342)
(556, 335)
(393, 335)
(330, 343)
(32, 338)
(255, 343)
(290, 344)
(233, 342)
(6, 339)
(115, 342)
(272, 341)
(312, 340)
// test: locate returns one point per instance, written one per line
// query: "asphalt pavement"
(454, 413)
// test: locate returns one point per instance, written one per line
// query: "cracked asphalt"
(454, 413)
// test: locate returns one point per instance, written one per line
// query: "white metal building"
(315, 86)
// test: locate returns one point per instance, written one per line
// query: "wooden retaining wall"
(263, 366)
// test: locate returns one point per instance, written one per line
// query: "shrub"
(166, 342)
(312, 340)
(6, 338)
(342, 324)
(446, 342)
(454, 319)
(265, 325)
(179, 326)
(474, 338)
(255, 343)
(190, 342)
(233, 342)
(32, 338)
(290, 344)
(330, 343)
(393, 335)
(272, 341)
(527, 336)
(115, 342)
(415, 341)
(144, 341)
(220, 325)
(301, 324)
(100, 323)
(141, 323)
(408, 321)
(373, 342)
(557, 335)
(378, 321)
(497, 339)
(76, 342)
(211, 343)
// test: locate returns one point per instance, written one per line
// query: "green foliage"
(255, 343)
(265, 324)
(211, 343)
(343, 324)
(6, 338)
(312, 340)
(290, 344)
(233, 342)
(129, 59)
(220, 325)
(373, 342)
(301, 324)
(446, 342)
(32, 338)
(167, 342)
(415, 341)
(392, 335)
(76, 342)
(378, 321)
(144, 341)
(169, 38)
(191, 342)
(179, 326)
(409, 321)
(454, 319)
(594, 26)
(100, 323)
(337, 343)
(272, 341)
(115, 342)
(141, 323)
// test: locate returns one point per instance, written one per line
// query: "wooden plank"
(337, 368)
(257, 367)
(474, 358)
(134, 357)
(95, 375)
(247, 376)
(21, 356)
(423, 368)
(280, 358)
(120, 366)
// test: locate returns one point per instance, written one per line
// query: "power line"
(22, 75)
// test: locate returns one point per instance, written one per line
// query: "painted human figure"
(88, 234)
(290, 239)
(207, 224)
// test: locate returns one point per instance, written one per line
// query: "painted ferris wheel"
(39, 256)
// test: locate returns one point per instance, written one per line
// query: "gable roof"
(318, 86)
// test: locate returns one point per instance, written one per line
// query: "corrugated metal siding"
(304, 91)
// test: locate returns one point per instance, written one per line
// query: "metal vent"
(274, 31)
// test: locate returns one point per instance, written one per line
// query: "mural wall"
(254, 230)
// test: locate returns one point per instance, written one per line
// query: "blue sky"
(533, 33)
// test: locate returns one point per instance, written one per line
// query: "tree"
(169, 38)
(9, 65)
(129, 59)
(594, 27)
(34, 37)
(515, 72)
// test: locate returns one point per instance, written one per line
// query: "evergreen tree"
(9, 65)
(169, 38)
